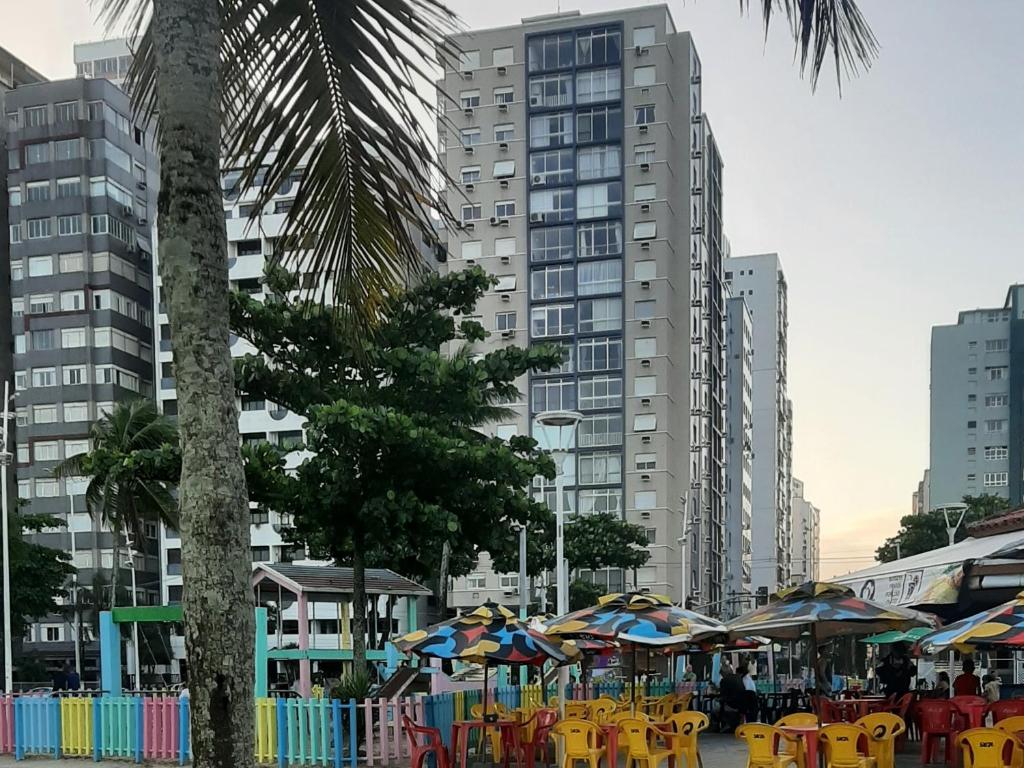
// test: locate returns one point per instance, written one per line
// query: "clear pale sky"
(891, 208)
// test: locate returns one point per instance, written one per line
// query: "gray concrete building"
(104, 59)
(976, 440)
(920, 500)
(806, 545)
(79, 186)
(589, 184)
(739, 354)
(759, 280)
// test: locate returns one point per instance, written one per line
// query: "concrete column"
(305, 679)
(260, 652)
(110, 655)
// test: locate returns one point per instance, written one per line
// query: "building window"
(598, 85)
(476, 581)
(53, 634)
(67, 149)
(504, 209)
(470, 174)
(69, 225)
(995, 425)
(551, 130)
(599, 124)
(600, 315)
(75, 448)
(599, 354)
(551, 168)
(469, 61)
(37, 191)
(504, 132)
(645, 230)
(644, 114)
(600, 469)
(72, 301)
(470, 137)
(553, 395)
(994, 373)
(552, 283)
(17, 307)
(471, 249)
(996, 452)
(471, 212)
(645, 386)
(38, 229)
(600, 430)
(44, 339)
(645, 500)
(643, 310)
(504, 169)
(643, 36)
(505, 246)
(505, 95)
(469, 99)
(643, 153)
(65, 112)
(69, 188)
(44, 377)
(75, 374)
(551, 91)
(600, 392)
(35, 117)
(47, 451)
(552, 205)
(549, 52)
(598, 162)
(599, 277)
(997, 345)
(552, 320)
(645, 462)
(645, 422)
(601, 238)
(645, 270)
(74, 412)
(996, 479)
(508, 581)
(504, 321)
(40, 304)
(600, 500)
(551, 244)
(14, 196)
(599, 201)
(502, 57)
(644, 76)
(996, 401)
(644, 193)
(15, 232)
(599, 46)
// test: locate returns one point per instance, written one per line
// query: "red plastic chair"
(433, 746)
(904, 708)
(543, 720)
(937, 720)
(971, 711)
(1006, 708)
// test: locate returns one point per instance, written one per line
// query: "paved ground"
(717, 752)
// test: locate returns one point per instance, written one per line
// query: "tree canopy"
(38, 573)
(927, 531)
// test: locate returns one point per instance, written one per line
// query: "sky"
(892, 208)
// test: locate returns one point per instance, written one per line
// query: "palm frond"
(821, 26)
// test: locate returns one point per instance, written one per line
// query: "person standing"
(73, 678)
(60, 679)
(896, 671)
(967, 683)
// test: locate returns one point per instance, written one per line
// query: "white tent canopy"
(936, 577)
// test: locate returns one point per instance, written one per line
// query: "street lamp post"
(76, 627)
(135, 623)
(5, 461)
(951, 528)
(558, 430)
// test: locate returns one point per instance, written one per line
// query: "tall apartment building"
(589, 184)
(104, 60)
(806, 549)
(80, 196)
(976, 442)
(920, 500)
(760, 282)
(739, 353)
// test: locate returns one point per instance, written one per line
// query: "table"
(462, 729)
(809, 734)
(610, 731)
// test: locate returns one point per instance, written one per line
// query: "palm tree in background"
(119, 494)
(328, 86)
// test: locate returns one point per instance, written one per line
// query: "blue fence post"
(54, 716)
(336, 731)
(352, 752)
(97, 730)
(18, 749)
(282, 734)
(139, 727)
(183, 723)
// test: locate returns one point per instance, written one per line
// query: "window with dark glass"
(549, 52)
(551, 91)
(644, 114)
(598, 201)
(599, 46)
(600, 238)
(599, 354)
(551, 205)
(552, 283)
(553, 130)
(551, 244)
(599, 124)
(598, 85)
(552, 168)
(554, 395)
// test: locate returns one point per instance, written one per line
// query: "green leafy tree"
(38, 573)
(252, 74)
(398, 467)
(927, 531)
(121, 497)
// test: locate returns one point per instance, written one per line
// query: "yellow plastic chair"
(841, 742)
(580, 742)
(683, 701)
(491, 734)
(1013, 726)
(600, 710)
(618, 717)
(664, 707)
(884, 728)
(985, 747)
(764, 744)
(685, 727)
(577, 710)
(798, 749)
(636, 734)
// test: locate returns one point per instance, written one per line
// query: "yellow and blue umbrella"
(1000, 626)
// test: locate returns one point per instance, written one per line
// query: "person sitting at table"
(942, 686)
(967, 683)
(990, 687)
(730, 700)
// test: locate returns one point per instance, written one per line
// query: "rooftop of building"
(575, 18)
(14, 72)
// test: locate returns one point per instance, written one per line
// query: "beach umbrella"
(489, 635)
(895, 636)
(823, 610)
(1000, 626)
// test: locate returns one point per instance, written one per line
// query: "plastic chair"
(1001, 710)
(685, 727)
(937, 720)
(763, 746)
(664, 707)
(1015, 727)
(636, 733)
(842, 746)
(433, 745)
(902, 707)
(580, 738)
(577, 710)
(683, 701)
(987, 748)
(797, 719)
(618, 717)
(491, 734)
(884, 728)
(540, 723)
(600, 710)
(970, 709)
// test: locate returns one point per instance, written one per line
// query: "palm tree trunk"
(358, 608)
(216, 565)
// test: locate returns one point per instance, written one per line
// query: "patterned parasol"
(637, 618)
(999, 626)
(826, 610)
(491, 634)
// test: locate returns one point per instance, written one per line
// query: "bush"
(352, 685)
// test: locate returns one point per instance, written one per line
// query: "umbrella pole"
(817, 676)
(632, 690)
(485, 690)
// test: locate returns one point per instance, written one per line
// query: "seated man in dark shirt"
(732, 700)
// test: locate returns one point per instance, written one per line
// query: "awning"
(935, 578)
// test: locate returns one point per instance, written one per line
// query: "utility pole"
(76, 626)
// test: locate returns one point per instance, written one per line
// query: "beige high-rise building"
(590, 184)
(806, 552)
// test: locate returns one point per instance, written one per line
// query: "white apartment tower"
(739, 449)
(806, 563)
(589, 184)
(760, 282)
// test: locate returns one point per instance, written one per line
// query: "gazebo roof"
(332, 580)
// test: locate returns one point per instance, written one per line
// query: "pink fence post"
(368, 727)
(7, 724)
(382, 727)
